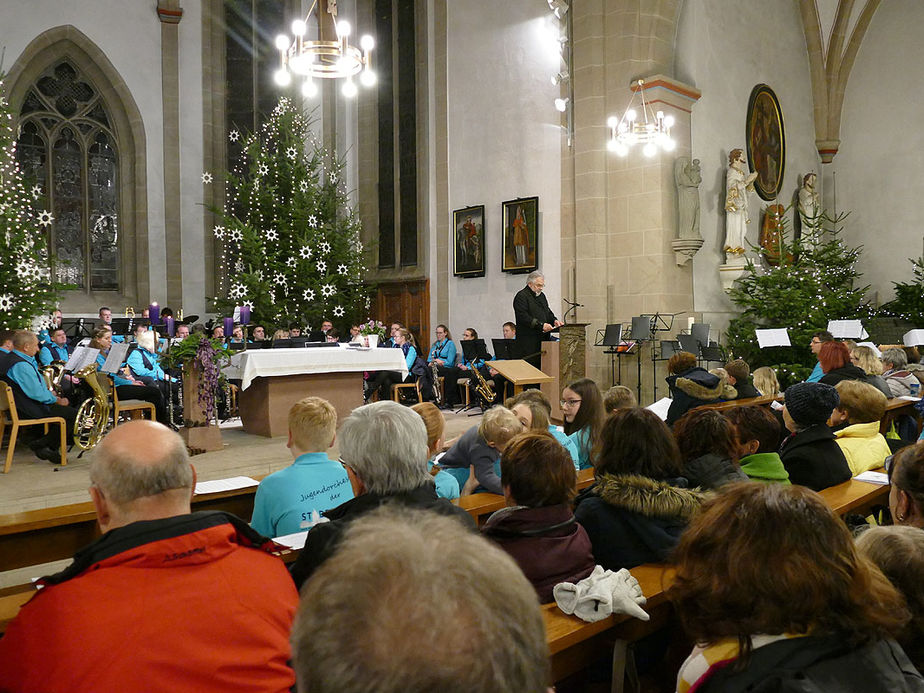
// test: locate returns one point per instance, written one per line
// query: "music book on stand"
(773, 338)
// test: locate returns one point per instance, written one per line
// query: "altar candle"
(154, 313)
(245, 315)
(229, 327)
(171, 326)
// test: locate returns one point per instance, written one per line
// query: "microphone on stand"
(573, 308)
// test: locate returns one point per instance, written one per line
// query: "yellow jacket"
(863, 446)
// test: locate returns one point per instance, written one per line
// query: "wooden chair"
(8, 411)
(462, 384)
(397, 387)
(131, 406)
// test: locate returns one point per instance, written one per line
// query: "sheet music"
(913, 338)
(230, 484)
(116, 357)
(293, 541)
(847, 329)
(879, 478)
(772, 338)
(873, 347)
(81, 358)
(660, 407)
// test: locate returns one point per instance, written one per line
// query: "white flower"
(291, 263)
(236, 235)
(7, 302)
(324, 247)
(333, 176)
(328, 290)
(36, 192)
(207, 178)
(45, 218)
(272, 235)
(263, 169)
(303, 186)
(239, 265)
(219, 232)
(305, 252)
(322, 266)
(279, 278)
(237, 291)
(338, 312)
(291, 152)
(308, 294)
(312, 220)
(27, 270)
(341, 269)
(234, 135)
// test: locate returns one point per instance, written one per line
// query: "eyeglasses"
(569, 402)
(815, 341)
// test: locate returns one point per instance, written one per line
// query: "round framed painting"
(766, 140)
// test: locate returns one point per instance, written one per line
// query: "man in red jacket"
(165, 599)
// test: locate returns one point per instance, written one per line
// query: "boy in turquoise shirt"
(314, 482)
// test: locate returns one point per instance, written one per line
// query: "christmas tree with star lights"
(816, 280)
(289, 241)
(28, 296)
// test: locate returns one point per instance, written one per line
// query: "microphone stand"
(573, 306)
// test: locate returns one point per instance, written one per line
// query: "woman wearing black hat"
(810, 454)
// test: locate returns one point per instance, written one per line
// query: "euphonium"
(437, 389)
(482, 389)
(52, 374)
(93, 415)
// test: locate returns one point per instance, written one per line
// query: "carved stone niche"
(685, 249)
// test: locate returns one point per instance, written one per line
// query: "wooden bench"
(762, 401)
(895, 408)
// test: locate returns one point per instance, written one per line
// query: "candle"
(245, 315)
(229, 327)
(154, 313)
(171, 326)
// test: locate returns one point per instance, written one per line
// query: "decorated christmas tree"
(815, 281)
(27, 295)
(289, 240)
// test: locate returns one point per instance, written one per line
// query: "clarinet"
(437, 390)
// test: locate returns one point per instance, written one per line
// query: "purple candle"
(229, 327)
(245, 315)
(154, 313)
(171, 326)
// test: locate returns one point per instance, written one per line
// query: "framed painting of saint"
(468, 242)
(766, 140)
(520, 251)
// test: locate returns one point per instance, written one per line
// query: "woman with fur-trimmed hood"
(692, 386)
(639, 504)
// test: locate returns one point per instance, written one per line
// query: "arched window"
(67, 145)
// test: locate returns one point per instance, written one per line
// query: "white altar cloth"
(256, 363)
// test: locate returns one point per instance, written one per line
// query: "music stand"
(669, 347)
(126, 326)
(660, 322)
(473, 350)
(76, 328)
(713, 352)
(642, 331)
(700, 332)
(282, 343)
(505, 349)
(688, 343)
(611, 337)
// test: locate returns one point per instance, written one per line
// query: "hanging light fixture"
(653, 130)
(331, 56)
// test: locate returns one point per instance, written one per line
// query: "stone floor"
(33, 483)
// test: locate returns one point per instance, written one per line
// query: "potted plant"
(372, 331)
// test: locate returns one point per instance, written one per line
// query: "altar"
(272, 380)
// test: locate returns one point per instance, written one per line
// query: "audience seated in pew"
(538, 528)
(446, 484)
(865, 358)
(480, 447)
(899, 553)
(834, 358)
(861, 407)
(708, 442)
(691, 386)
(770, 586)
(165, 599)
(906, 476)
(739, 377)
(582, 409)
(759, 438)
(384, 449)
(533, 410)
(810, 454)
(412, 601)
(618, 397)
(638, 505)
(285, 500)
(899, 379)
(766, 382)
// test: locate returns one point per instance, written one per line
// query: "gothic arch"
(69, 42)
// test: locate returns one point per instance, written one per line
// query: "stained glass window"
(66, 145)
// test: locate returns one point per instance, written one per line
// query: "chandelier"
(329, 57)
(653, 130)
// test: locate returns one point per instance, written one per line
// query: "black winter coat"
(814, 459)
(694, 387)
(531, 312)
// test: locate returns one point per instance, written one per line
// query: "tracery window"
(66, 144)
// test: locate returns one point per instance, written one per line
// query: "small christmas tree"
(908, 303)
(814, 282)
(290, 243)
(28, 296)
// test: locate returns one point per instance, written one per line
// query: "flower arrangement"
(207, 356)
(370, 327)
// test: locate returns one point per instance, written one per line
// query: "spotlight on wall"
(559, 78)
(561, 105)
(558, 7)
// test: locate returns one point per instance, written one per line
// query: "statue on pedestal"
(738, 182)
(808, 203)
(687, 176)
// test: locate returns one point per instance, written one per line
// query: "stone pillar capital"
(827, 149)
(169, 11)
(669, 91)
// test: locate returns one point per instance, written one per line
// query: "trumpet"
(482, 389)
(52, 374)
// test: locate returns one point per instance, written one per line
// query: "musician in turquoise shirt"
(443, 351)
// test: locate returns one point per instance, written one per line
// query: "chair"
(132, 406)
(8, 411)
(397, 387)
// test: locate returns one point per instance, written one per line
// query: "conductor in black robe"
(535, 320)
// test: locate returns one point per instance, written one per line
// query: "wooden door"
(407, 302)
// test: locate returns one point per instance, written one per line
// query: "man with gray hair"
(383, 447)
(165, 599)
(535, 320)
(404, 582)
(897, 377)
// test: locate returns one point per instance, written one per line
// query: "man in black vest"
(535, 320)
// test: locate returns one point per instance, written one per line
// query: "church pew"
(896, 407)
(52, 534)
(763, 401)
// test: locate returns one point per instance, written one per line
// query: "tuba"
(482, 389)
(52, 375)
(93, 415)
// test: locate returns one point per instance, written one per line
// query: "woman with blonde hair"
(865, 358)
(766, 382)
(446, 484)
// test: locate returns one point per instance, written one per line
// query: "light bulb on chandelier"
(653, 130)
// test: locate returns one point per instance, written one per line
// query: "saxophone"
(482, 389)
(437, 389)
(93, 415)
